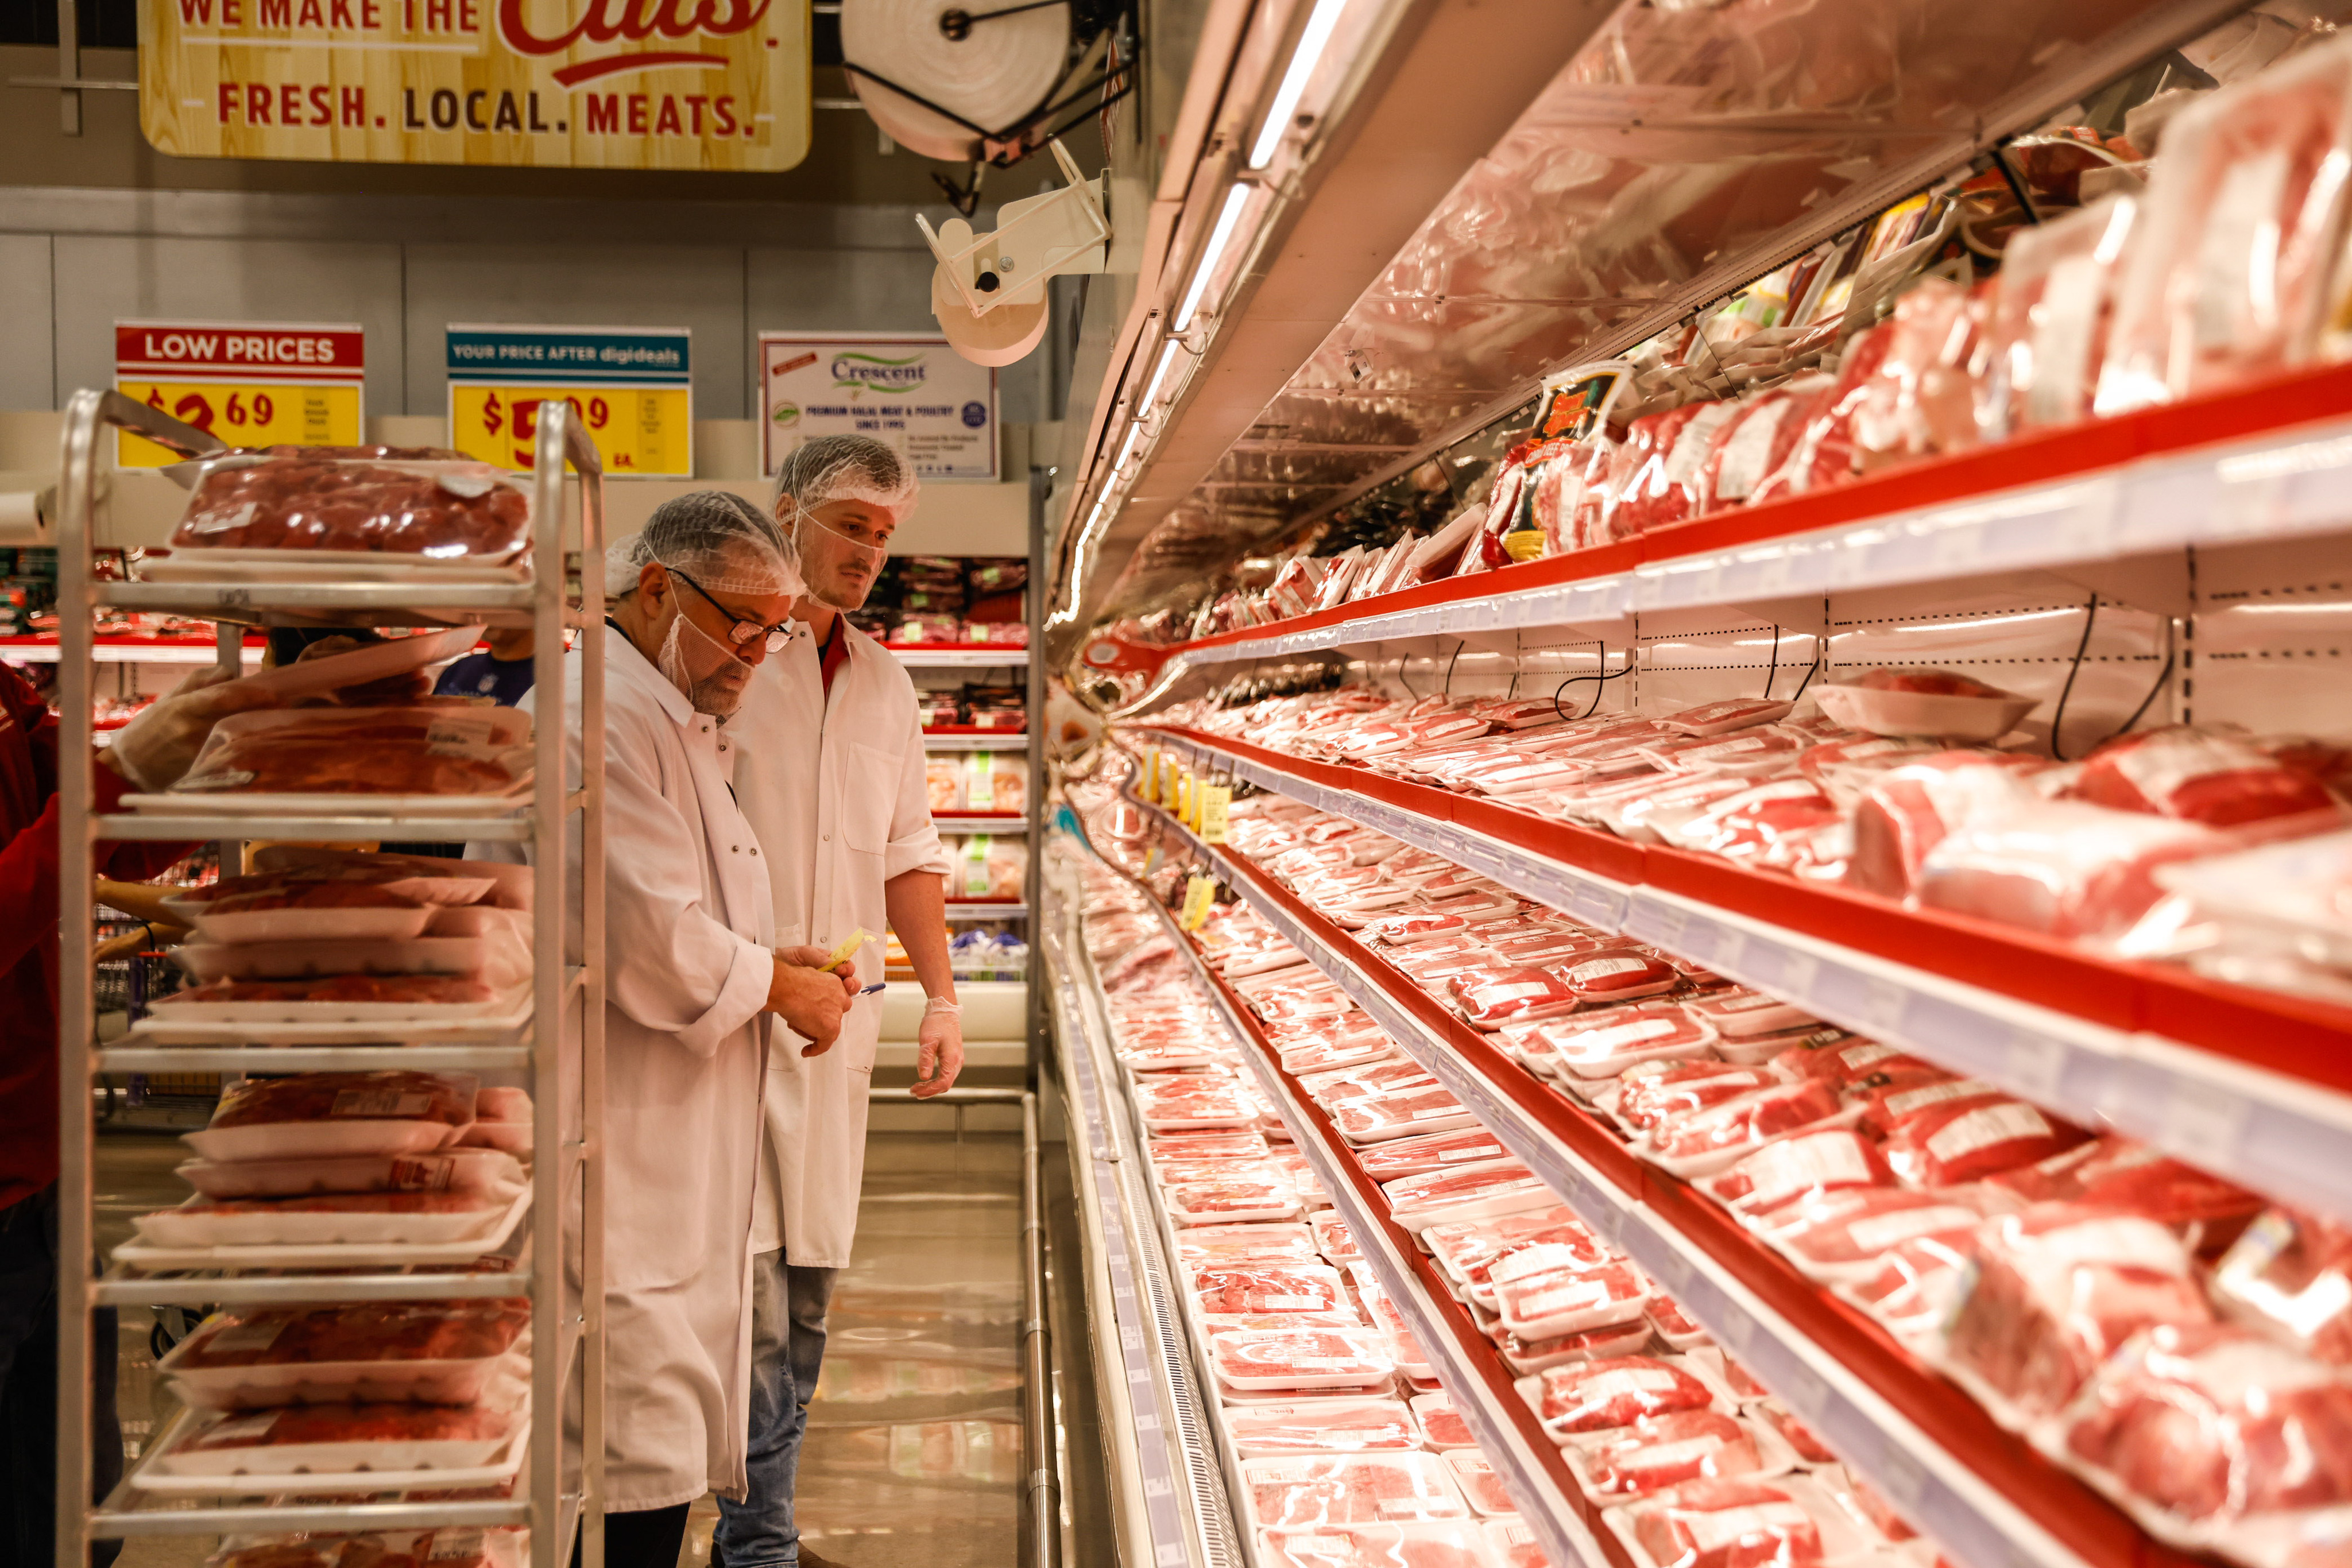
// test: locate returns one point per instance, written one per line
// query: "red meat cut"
(378, 1331)
(1615, 1391)
(303, 500)
(1659, 1451)
(346, 988)
(1727, 1524)
(388, 1095)
(376, 1423)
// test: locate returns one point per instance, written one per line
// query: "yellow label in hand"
(848, 949)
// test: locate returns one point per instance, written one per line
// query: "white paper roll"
(999, 338)
(1003, 68)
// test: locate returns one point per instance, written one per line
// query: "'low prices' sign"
(632, 383)
(251, 383)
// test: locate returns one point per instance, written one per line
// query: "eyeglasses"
(740, 629)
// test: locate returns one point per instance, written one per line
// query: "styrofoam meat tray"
(441, 1170)
(156, 1259)
(373, 1466)
(322, 959)
(199, 1225)
(199, 564)
(176, 1020)
(259, 803)
(323, 1139)
(380, 922)
(456, 1381)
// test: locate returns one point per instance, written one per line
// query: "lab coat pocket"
(868, 789)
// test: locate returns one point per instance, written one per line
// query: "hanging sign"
(252, 383)
(632, 384)
(594, 84)
(913, 393)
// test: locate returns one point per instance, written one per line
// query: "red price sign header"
(256, 350)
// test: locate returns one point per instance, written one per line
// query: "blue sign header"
(619, 355)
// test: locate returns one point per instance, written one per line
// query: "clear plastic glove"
(939, 1048)
(811, 1001)
(158, 746)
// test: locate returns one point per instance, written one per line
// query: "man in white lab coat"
(831, 776)
(699, 600)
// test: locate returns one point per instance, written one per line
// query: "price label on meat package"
(379, 1105)
(1200, 893)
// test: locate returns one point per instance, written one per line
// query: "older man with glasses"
(831, 776)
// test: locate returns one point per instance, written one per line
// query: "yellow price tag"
(244, 413)
(637, 430)
(1183, 800)
(1149, 787)
(1166, 796)
(1216, 803)
(1198, 893)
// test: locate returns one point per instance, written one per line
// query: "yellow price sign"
(637, 430)
(1200, 893)
(1147, 789)
(1216, 804)
(244, 414)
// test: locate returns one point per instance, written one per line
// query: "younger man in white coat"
(831, 777)
(699, 600)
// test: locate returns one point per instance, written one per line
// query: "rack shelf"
(993, 740)
(958, 655)
(2253, 1086)
(45, 650)
(960, 911)
(967, 824)
(1936, 1455)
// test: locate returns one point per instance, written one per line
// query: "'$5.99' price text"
(636, 430)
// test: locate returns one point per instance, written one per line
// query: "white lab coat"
(689, 938)
(834, 787)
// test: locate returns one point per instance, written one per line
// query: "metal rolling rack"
(564, 1482)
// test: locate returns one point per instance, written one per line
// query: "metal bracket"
(1035, 239)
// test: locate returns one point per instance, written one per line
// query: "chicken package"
(1301, 1359)
(336, 1218)
(1268, 1288)
(2228, 279)
(1659, 1451)
(2063, 868)
(1428, 1109)
(1342, 1425)
(1973, 1136)
(434, 1353)
(381, 501)
(486, 1172)
(1708, 1140)
(2057, 1289)
(307, 1115)
(1353, 1489)
(1448, 1543)
(1491, 997)
(943, 782)
(1596, 1395)
(1607, 1041)
(2199, 775)
(1438, 1197)
(2206, 1424)
(990, 868)
(2290, 1275)
(2047, 338)
(1736, 1523)
(994, 782)
(450, 749)
(1798, 1168)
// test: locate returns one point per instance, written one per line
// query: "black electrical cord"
(1819, 659)
(2058, 714)
(1774, 674)
(1403, 682)
(1579, 680)
(2162, 676)
(1449, 667)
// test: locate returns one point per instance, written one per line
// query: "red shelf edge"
(2296, 1037)
(2277, 403)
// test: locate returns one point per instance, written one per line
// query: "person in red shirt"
(151, 753)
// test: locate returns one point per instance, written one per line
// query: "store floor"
(914, 1450)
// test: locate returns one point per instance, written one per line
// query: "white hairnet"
(846, 468)
(715, 537)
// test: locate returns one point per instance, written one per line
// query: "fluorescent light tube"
(1311, 44)
(1219, 237)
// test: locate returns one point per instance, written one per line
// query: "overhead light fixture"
(1219, 237)
(1166, 362)
(1311, 44)
(1134, 434)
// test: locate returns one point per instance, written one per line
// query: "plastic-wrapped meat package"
(1342, 1425)
(1796, 1168)
(1492, 997)
(2057, 1289)
(1844, 767)
(1617, 975)
(1268, 1288)
(1481, 1487)
(1442, 1425)
(313, 1115)
(1807, 1442)
(1720, 1134)
(1429, 1197)
(2229, 274)
(1253, 1359)
(326, 910)
(1229, 1201)
(2210, 1424)
(1414, 928)
(1823, 455)
(1437, 1151)
(1660, 1451)
(1762, 820)
(1513, 1544)
(991, 867)
(1738, 1014)
(1896, 1104)
(1722, 717)
(1748, 751)
(994, 782)
(1908, 810)
(1661, 1091)
(448, 1547)
(1756, 442)
(1454, 1544)
(2063, 868)
(1968, 1137)
(1616, 1392)
(1466, 1248)
(1922, 400)
(472, 1171)
(2119, 1173)
(440, 1353)
(319, 498)
(428, 749)
(943, 782)
(1726, 1524)
(1334, 1240)
(1673, 1325)
(2290, 1275)
(2051, 310)
(2199, 775)
(1848, 1061)
(1540, 1297)
(1356, 1489)
(336, 1217)
(443, 990)
(1607, 1041)
(1426, 1110)
(1672, 453)
(1912, 1286)
(1347, 1086)
(323, 1438)
(1244, 1243)
(1526, 1358)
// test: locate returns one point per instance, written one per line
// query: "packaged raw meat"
(1481, 1487)
(2047, 337)
(2063, 868)
(2290, 1275)
(990, 868)
(391, 874)
(1454, 1544)
(425, 877)
(1357, 1488)
(1710, 1139)
(1267, 1288)
(2057, 1289)
(994, 782)
(1441, 1424)
(1526, 1357)
(1435, 1197)
(1912, 1286)
(1660, 1451)
(1661, 1091)
(449, 750)
(1322, 1427)
(2201, 775)
(1412, 926)
(322, 1440)
(438, 510)
(1721, 717)
(459, 1546)
(2208, 1423)
(1797, 1168)
(1333, 1239)
(1906, 811)
(435, 1352)
(1961, 1140)
(1617, 977)
(1723, 1524)
(475, 1171)
(1853, 1063)
(1231, 1201)
(315, 910)
(1514, 1545)
(1597, 1395)
(327, 1219)
(1273, 1359)
(943, 782)
(1402, 1114)
(1923, 399)
(1892, 1105)
(1668, 457)
(1606, 1041)
(347, 990)
(1491, 997)
(1673, 1325)
(1756, 442)
(312, 1114)
(2119, 1173)
(502, 1120)
(1931, 703)
(301, 960)
(1808, 1444)
(1244, 1243)
(1825, 454)
(2227, 277)
(1433, 1152)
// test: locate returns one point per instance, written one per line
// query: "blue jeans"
(787, 1307)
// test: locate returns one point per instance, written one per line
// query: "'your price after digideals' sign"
(609, 84)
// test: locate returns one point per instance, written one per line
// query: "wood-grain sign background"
(601, 84)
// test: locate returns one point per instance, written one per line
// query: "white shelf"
(153, 829)
(957, 911)
(124, 653)
(311, 1058)
(2277, 1134)
(999, 740)
(956, 824)
(979, 656)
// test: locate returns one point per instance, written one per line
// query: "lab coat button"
(828, 837)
